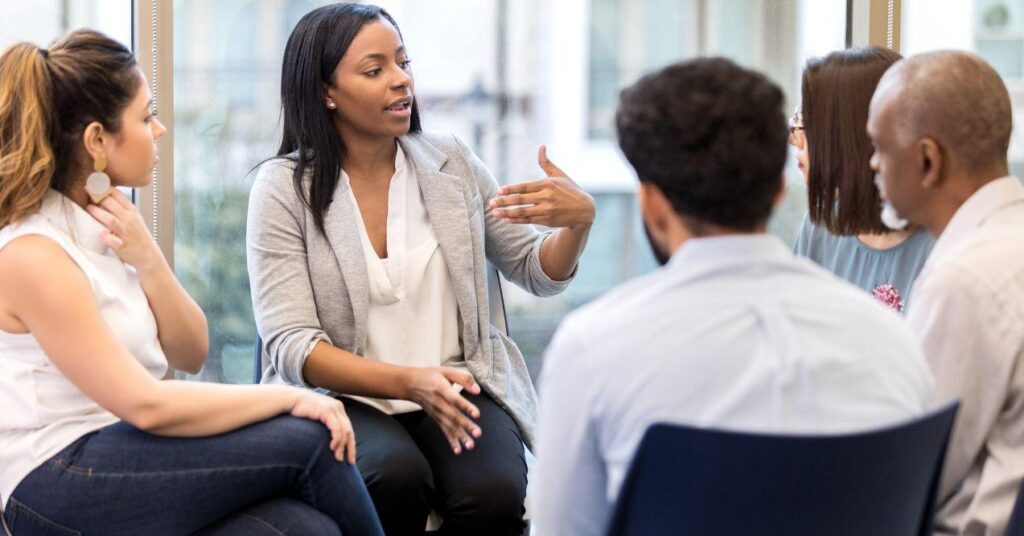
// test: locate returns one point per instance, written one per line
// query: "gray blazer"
(308, 287)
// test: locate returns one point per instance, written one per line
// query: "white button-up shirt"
(968, 311)
(735, 333)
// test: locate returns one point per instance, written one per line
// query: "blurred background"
(503, 75)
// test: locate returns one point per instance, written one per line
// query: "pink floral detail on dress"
(888, 295)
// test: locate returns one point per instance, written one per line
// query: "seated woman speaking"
(367, 245)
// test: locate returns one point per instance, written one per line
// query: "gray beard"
(892, 219)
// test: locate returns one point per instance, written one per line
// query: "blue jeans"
(273, 477)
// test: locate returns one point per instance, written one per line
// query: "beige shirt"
(968, 310)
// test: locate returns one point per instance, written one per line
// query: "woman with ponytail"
(92, 317)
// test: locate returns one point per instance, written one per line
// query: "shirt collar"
(700, 253)
(73, 221)
(988, 200)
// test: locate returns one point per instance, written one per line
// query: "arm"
(974, 365)
(285, 311)
(180, 322)
(46, 291)
(514, 249)
(561, 251)
(554, 202)
(571, 478)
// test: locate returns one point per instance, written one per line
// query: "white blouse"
(413, 317)
(41, 411)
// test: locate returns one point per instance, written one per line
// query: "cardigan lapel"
(446, 206)
(342, 232)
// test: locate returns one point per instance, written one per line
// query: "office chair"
(686, 480)
(1016, 526)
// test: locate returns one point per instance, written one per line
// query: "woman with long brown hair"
(92, 317)
(844, 230)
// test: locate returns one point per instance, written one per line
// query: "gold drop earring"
(98, 182)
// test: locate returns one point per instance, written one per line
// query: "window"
(505, 76)
(227, 69)
(43, 21)
(994, 29)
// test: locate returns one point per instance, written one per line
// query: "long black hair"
(314, 49)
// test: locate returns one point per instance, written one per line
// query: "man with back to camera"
(941, 124)
(734, 331)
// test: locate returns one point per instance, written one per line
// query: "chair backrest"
(495, 297)
(1016, 526)
(686, 480)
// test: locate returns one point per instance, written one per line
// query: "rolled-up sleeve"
(282, 295)
(513, 248)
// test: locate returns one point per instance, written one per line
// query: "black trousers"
(410, 469)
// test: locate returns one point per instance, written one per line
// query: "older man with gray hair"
(941, 124)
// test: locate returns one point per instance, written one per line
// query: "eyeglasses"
(797, 136)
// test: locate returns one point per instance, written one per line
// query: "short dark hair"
(711, 136)
(837, 90)
(314, 49)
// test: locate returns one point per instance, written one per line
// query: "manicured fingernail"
(469, 444)
(457, 450)
(476, 432)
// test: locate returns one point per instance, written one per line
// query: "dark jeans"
(274, 477)
(410, 469)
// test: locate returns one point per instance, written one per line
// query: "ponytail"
(27, 121)
(86, 75)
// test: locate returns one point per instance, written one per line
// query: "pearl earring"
(331, 105)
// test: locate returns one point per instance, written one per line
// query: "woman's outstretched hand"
(433, 389)
(554, 201)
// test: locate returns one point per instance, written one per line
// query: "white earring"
(331, 105)
(97, 184)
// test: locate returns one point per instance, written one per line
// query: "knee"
(312, 521)
(398, 474)
(293, 439)
(496, 501)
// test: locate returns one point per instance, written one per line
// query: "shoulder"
(36, 259)
(814, 240)
(274, 179)
(604, 316)
(443, 141)
(278, 169)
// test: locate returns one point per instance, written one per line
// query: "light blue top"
(735, 333)
(866, 267)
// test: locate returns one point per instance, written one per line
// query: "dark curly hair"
(711, 136)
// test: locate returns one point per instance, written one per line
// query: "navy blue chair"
(695, 481)
(1016, 526)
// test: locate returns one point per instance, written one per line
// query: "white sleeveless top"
(42, 411)
(413, 316)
